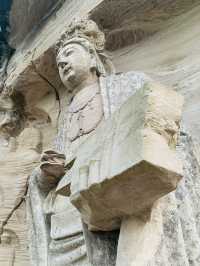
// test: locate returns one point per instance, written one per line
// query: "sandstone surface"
(160, 38)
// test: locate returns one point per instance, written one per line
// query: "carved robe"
(59, 240)
(84, 113)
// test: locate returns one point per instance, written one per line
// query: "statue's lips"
(67, 70)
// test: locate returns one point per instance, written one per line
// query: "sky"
(5, 5)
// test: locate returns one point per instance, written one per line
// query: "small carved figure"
(19, 155)
(8, 116)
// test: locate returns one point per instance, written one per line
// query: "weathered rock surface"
(129, 22)
(26, 15)
(126, 165)
(171, 55)
(16, 166)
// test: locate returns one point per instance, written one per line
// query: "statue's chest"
(84, 115)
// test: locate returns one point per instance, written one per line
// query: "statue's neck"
(90, 81)
(84, 95)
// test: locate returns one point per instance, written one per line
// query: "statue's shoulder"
(117, 88)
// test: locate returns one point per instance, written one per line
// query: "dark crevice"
(51, 85)
(17, 206)
(51, 12)
(5, 50)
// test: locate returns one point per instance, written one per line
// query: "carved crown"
(86, 33)
(83, 29)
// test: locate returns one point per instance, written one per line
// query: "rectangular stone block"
(130, 160)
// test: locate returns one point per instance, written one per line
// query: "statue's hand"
(52, 169)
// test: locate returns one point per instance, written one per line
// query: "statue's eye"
(69, 52)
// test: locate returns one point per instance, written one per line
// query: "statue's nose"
(63, 64)
(6, 123)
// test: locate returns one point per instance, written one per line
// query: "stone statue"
(106, 134)
(81, 63)
(9, 117)
(19, 155)
(79, 67)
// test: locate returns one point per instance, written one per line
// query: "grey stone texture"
(163, 41)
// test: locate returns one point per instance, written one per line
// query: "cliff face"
(5, 49)
(160, 38)
(170, 56)
(26, 17)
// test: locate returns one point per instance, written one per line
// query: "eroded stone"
(130, 161)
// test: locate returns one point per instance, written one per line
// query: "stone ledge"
(37, 48)
(36, 52)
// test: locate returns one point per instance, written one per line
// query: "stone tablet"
(129, 161)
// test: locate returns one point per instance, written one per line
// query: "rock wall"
(170, 56)
(160, 38)
(26, 15)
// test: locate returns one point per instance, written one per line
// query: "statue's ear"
(93, 63)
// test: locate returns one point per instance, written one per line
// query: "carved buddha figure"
(79, 67)
(82, 68)
(93, 98)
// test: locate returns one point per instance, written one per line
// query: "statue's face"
(74, 64)
(6, 117)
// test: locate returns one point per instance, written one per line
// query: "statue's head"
(10, 117)
(6, 118)
(80, 53)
